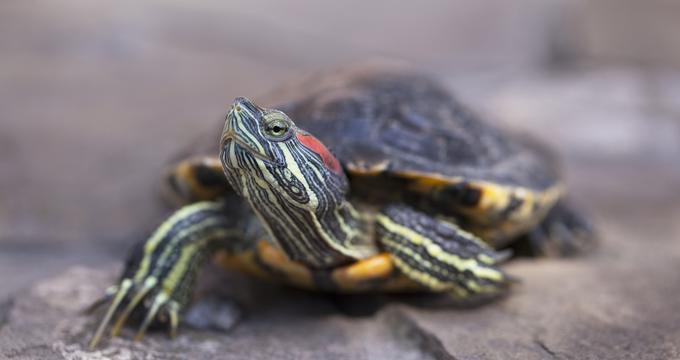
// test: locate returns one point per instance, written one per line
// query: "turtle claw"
(117, 299)
(160, 300)
(110, 293)
(136, 295)
(173, 313)
(149, 284)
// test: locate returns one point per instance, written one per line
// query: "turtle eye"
(277, 128)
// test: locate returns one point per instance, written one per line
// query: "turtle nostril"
(244, 104)
(240, 102)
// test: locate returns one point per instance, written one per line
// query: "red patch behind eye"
(312, 143)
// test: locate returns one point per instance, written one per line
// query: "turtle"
(363, 181)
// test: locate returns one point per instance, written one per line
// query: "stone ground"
(618, 303)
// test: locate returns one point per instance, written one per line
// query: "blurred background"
(97, 97)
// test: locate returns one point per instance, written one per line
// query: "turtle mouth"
(230, 139)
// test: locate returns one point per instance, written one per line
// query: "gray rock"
(618, 303)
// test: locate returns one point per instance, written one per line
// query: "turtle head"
(264, 148)
(265, 145)
(291, 180)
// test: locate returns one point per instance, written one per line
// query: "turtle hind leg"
(195, 179)
(160, 273)
(440, 255)
(562, 233)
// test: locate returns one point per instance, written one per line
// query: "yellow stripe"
(185, 258)
(437, 252)
(422, 277)
(431, 282)
(494, 200)
(165, 227)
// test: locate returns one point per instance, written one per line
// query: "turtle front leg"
(160, 272)
(440, 255)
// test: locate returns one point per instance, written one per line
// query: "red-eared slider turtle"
(417, 194)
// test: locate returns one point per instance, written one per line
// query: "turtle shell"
(406, 125)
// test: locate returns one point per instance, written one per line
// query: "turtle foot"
(562, 233)
(145, 299)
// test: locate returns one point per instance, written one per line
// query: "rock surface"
(618, 303)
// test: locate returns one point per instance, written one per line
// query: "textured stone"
(618, 303)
